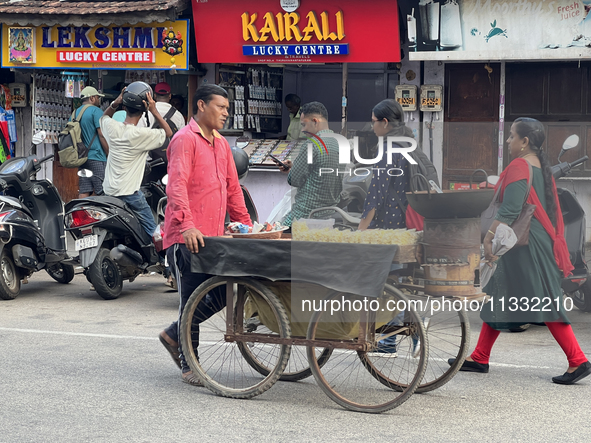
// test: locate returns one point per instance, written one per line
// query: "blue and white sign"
(296, 50)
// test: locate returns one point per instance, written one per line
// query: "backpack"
(425, 168)
(73, 153)
(161, 151)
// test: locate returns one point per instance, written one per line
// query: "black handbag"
(521, 225)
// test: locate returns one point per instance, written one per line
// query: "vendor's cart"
(248, 325)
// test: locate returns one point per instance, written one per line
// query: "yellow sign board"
(137, 47)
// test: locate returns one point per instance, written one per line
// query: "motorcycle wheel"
(61, 273)
(105, 275)
(10, 280)
(582, 297)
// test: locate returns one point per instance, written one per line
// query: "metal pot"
(451, 204)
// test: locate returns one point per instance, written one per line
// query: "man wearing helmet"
(202, 186)
(128, 149)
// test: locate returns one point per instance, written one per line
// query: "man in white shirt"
(128, 149)
(176, 121)
(162, 96)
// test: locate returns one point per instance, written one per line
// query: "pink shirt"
(202, 185)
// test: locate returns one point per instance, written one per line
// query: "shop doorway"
(470, 134)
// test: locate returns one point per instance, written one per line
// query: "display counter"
(265, 182)
(266, 187)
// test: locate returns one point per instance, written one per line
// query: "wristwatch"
(113, 107)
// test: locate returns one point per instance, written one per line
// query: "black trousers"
(179, 259)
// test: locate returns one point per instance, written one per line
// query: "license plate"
(90, 241)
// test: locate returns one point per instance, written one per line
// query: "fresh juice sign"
(313, 32)
(140, 46)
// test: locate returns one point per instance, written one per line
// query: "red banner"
(321, 31)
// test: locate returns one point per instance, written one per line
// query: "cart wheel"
(355, 380)
(448, 332)
(219, 363)
(297, 367)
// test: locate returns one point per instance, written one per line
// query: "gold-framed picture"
(21, 45)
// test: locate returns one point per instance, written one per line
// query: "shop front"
(335, 52)
(498, 61)
(54, 63)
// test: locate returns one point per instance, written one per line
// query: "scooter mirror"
(571, 141)
(86, 173)
(242, 142)
(39, 137)
(165, 180)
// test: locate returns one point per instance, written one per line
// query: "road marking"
(80, 334)
(133, 337)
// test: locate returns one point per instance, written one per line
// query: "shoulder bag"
(521, 225)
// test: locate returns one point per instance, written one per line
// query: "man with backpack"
(89, 115)
(162, 97)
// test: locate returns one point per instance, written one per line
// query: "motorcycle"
(578, 285)
(347, 213)
(154, 187)
(32, 235)
(112, 244)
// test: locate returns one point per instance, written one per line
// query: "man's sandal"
(191, 379)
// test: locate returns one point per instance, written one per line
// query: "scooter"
(347, 213)
(32, 234)
(578, 285)
(154, 186)
(112, 244)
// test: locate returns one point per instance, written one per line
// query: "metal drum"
(452, 255)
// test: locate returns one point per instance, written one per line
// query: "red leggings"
(562, 333)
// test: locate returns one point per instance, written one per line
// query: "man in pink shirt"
(202, 186)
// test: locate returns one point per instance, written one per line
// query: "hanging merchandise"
(451, 26)
(11, 121)
(81, 86)
(5, 97)
(53, 102)
(70, 87)
(150, 77)
(4, 137)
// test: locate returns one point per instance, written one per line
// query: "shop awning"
(89, 13)
(292, 31)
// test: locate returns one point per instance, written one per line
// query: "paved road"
(76, 368)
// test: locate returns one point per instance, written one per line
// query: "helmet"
(241, 160)
(135, 95)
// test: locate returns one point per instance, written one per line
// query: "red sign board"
(320, 31)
